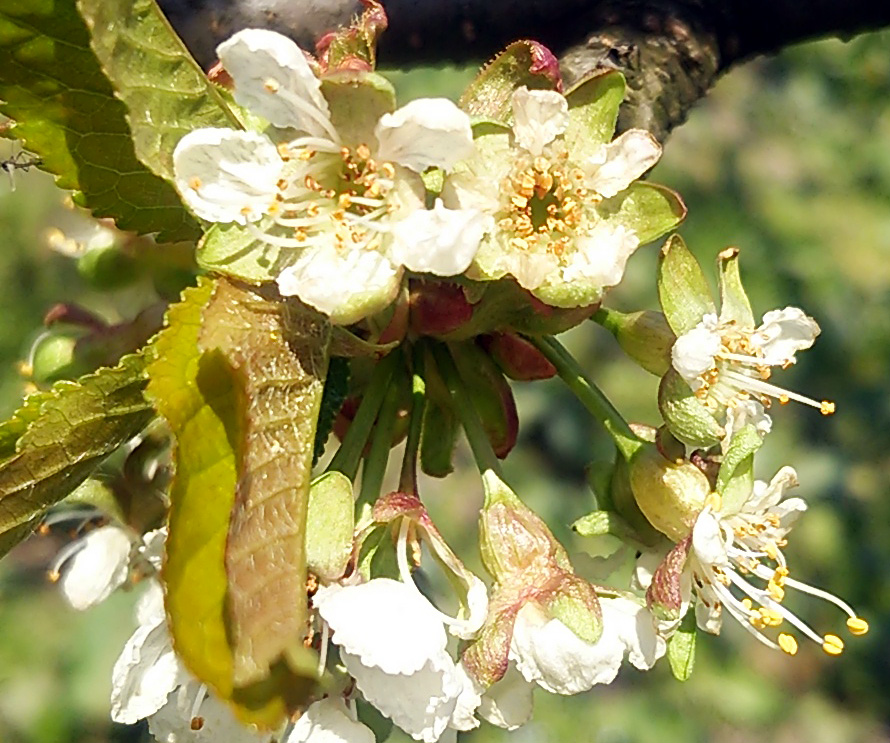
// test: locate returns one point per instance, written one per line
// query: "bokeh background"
(789, 159)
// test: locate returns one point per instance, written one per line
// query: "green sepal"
(230, 249)
(357, 100)
(682, 288)
(648, 209)
(685, 415)
(644, 336)
(734, 305)
(521, 63)
(593, 112)
(626, 504)
(735, 480)
(681, 648)
(575, 604)
(330, 523)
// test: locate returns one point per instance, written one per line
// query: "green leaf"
(336, 389)
(648, 209)
(232, 250)
(65, 111)
(64, 434)
(239, 379)
(734, 304)
(682, 288)
(277, 352)
(681, 648)
(521, 63)
(686, 416)
(593, 112)
(165, 90)
(599, 523)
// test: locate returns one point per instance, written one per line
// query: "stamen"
(833, 645)
(819, 593)
(787, 643)
(271, 85)
(857, 625)
(764, 388)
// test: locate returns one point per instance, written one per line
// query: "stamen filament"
(765, 388)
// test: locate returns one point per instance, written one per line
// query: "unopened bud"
(517, 357)
(644, 336)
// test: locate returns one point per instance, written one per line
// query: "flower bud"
(517, 357)
(644, 336)
(670, 494)
(329, 525)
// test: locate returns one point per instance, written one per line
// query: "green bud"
(644, 336)
(686, 416)
(108, 267)
(329, 525)
(54, 357)
(670, 494)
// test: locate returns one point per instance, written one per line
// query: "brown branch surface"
(670, 50)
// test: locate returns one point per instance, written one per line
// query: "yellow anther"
(826, 407)
(271, 85)
(53, 576)
(363, 151)
(771, 617)
(772, 552)
(344, 201)
(747, 603)
(776, 591)
(781, 572)
(541, 164)
(388, 170)
(519, 201)
(194, 183)
(518, 243)
(714, 501)
(832, 644)
(787, 643)
(783, 399)
(300, 235)
(857, 625)
(245, 211)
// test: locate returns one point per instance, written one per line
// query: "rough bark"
(670, 50)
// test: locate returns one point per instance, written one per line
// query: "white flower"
(328, 721)
(547, 652)
(329, 202)
(549, 234)
(393, 643)
(727, 366)
(90, 568)
(737, 563)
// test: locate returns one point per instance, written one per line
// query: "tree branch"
(671, 51)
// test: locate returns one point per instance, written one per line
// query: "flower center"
(542, 204)
(330, 195)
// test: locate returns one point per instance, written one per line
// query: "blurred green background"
(789, 159)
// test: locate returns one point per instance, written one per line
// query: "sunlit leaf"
(65, 112)
(165, 90)
(63, 437)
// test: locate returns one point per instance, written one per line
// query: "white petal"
(783, 333)
(420, 703)
(425, 132)
(384, 622)
(152, 548)
(764, 496)
(600, 258)
(709, 617)
(468, 701)
(225, 175)
(549, 653)
(635, 627)
(539, 117)
(346, 285)
(144, 674)
(509, 703)
(439, 241)
(708, 540)
(693, 352)
(328, 721)
(150, 606)
(622, 162)
(746, 412)
(273, 79)
(100, 565)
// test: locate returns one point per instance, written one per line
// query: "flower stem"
(374, 467)
(589, 394)
(408, 475)
(483, 452)
(348, 456)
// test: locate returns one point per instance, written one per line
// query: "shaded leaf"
(336, 388)
(165, 90)
(63, 437)
(65, 111)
